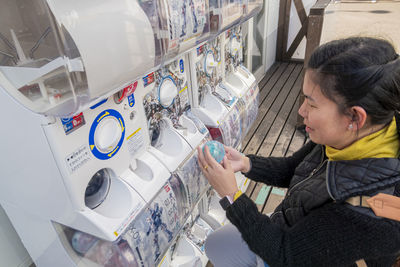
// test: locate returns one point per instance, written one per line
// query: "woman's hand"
(220, 176)
(238, 161)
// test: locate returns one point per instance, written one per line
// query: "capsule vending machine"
(245, 86)
(215, 92)
(78, 179)
(70, 198)
(212, 100)
(238, 77)
(100, 134)
(214, 65)
(175, 132)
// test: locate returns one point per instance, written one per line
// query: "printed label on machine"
(78, 158)
(183, 97)
(148, 79)
(73, 123)
(135, 142)
(128, 220)
(200, 50)
(131, 100)
(181, 66)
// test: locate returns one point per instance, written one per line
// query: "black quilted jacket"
(314, 226)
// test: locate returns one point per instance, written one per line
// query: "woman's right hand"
(239, 162)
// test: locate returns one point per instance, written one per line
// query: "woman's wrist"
(234, 195)
(246, 164)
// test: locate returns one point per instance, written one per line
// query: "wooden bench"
(274, 132)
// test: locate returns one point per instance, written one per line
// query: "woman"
(352, 95)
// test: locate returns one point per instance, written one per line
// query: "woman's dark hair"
(359, 71)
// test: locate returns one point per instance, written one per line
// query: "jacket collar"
(361, 177)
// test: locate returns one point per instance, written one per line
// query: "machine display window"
(38, 59)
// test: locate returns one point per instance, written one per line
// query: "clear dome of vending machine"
(57, 56)
(232, 12)
(251, 8)
(183, 25)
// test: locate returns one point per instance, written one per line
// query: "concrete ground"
(362, 18)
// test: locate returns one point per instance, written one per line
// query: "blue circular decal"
(104, 114)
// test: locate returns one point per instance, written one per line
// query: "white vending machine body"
(101, 125)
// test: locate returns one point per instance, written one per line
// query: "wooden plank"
(258, 193)
(286, 54)
(299, 122)
(250, 189)
(273, 76)
(273, 70)
(266, 84)
(266, 122)
(268, 75)
(286, 136)
(273, 200)
(281, 149)
(271, 82)
(263, 108)
(281, 110)
(298, 138)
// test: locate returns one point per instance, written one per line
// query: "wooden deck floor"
(274, 132)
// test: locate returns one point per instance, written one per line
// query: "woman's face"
(324, 123)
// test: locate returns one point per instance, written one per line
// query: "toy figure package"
(193, 179)
(154, 229)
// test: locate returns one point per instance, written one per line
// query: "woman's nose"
(302, 109)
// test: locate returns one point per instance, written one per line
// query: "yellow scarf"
(381, 144)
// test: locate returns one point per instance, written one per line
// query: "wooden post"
(314, 32)
(314, 29)
(283, 28)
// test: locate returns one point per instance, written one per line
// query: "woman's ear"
(359, 117)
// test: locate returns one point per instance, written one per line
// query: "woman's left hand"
(220, 176)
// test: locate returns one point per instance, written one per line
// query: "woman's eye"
(312, 106)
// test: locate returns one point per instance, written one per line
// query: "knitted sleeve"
(276, 171)
(332, 235)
